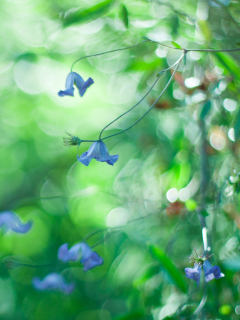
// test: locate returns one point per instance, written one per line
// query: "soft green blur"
(142, 211)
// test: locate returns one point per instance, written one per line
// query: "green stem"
(101, 53)
(161, 72)
(198, 50)
(165, 88)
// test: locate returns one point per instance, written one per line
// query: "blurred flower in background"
(89, 258)
(53, 281)
(10, 221)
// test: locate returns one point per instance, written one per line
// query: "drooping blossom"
(80, 251)
(98, 151)
(75, 78)
(10, 221)
(211, 272)
(53, 281)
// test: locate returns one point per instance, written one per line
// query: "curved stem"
(165, 88)
(162, 71)
(101, 53)
(202, 302)
(198, 50)
(130, 108)
(112, 228)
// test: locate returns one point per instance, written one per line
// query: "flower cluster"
(80, 251)
(211, 272)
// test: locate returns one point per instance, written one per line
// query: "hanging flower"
(53, 281)
(98, 151)
(10, 221)
(81, 250)
(82, 85)
(211, 272)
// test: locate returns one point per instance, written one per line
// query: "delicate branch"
(112, 228)
(101, 53)
(189, 50)
(161, 72)
(165, 88)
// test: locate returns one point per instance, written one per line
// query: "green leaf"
(238, 44)
(80, 16)
(237, 127)
(170, 268)
(124, 15)
(176, 45)
(226, 61)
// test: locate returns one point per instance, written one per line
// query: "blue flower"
(211, 272)
(10, 221)
(82, 85)
(98, 151)
(89, 258)
(53, 281)
(194, 273)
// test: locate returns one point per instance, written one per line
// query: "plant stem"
(110, 51)
(165, 88)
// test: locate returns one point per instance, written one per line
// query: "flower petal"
(194, 273)
(84, 158)
(72, 254)
(67, 92)
(213, 273)
(86, 85)
(90, 259)
(98, 151)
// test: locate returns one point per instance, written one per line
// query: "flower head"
(98, 151)
(10, 221)
(81, 250)
(82, 85)
(210, 271)
(53, 281)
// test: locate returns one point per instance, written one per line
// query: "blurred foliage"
(141, 212)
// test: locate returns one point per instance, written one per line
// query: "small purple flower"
(209, 271)
(89, 258)
(10, 221)
(98, 151)
(82, 85)
(194, 273)
(53, 281)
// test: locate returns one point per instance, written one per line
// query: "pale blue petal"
(194, 273)
(67, 92)
(98, 151)
(86, 85)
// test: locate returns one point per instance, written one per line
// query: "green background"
(143, 237)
